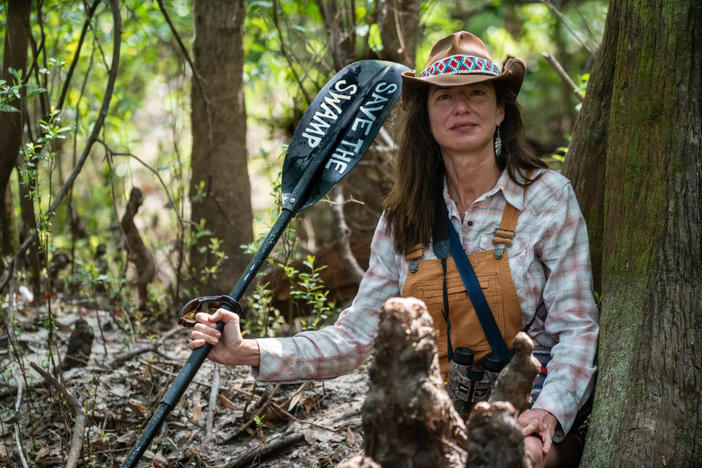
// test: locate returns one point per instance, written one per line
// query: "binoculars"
(469, 382)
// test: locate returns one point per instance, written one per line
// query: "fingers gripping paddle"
(335, 132)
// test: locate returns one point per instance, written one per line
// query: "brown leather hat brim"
(511, 77)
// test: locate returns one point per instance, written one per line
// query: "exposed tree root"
(408, 418)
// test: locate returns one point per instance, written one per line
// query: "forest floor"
(224, 419)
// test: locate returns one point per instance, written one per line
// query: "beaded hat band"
(461, 58)
(461, 65)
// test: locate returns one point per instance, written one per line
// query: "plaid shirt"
(550, 264)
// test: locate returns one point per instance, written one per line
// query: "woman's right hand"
(229, 347)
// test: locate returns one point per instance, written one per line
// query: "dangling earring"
(498, 143)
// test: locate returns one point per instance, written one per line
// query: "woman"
(463, 157)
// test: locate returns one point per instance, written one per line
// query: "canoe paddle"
(333, 135)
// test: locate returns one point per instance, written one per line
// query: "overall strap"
(505, 230)
(504, 233)
(445, 313)
(442, 250)
(414, 256)
(440, 234)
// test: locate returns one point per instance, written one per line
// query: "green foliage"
(262, 319)
(308, 295)
(307, 289)
(39, 152)
(11, 92)
(582, 85)
(258, 420)
(151, 71)
(198, 234)
(214, 247)
(94, 278)
(560, 153)
(264, 223)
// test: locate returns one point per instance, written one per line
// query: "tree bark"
(339, 23)
(637, 167)
(587, 155)
(219, 140)
(15, 56)
(9, 240)
(399, 29)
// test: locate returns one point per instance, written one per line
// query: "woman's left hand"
(540, 423)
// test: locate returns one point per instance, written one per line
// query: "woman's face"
(463, 118)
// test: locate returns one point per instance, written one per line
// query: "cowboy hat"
(461, 58)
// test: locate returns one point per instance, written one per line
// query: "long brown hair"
(419, 169)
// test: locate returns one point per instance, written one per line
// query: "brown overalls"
(424, 281)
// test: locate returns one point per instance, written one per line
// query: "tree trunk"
(637, 166)
(29, 225)
(219, 141)
(9, 241)
(340, 26)
(585, 163)
(15, 56)
(399, 30)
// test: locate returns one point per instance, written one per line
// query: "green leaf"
(16, 73)
(7, 108)
(35, 92)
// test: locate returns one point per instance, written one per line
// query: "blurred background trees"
(151, 140)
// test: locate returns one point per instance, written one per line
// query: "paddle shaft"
(198, 356)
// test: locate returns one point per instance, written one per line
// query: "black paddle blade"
(337, 129)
